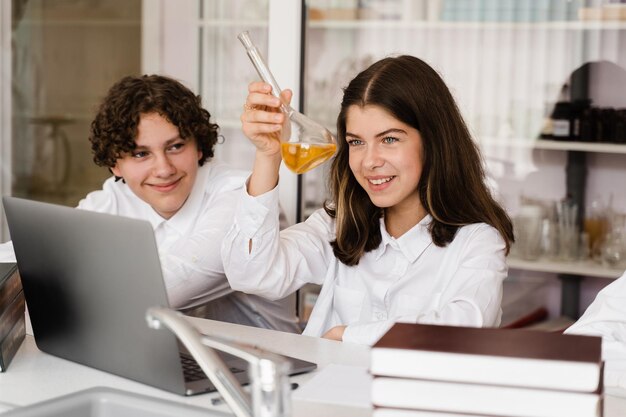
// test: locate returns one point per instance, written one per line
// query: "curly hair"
(114, 129)
(452, 185)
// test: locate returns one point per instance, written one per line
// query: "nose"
(163, 166)
(373, 157)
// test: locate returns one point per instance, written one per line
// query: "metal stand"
(576, 180)
(570, 295)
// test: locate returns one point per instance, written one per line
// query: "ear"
(116, 171)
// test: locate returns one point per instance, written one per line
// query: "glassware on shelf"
(528, 226)
(595, 225)
(310, 144)
(569, 233)
(612, 250)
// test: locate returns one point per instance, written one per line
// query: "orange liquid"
(596, 229)
(302, 157)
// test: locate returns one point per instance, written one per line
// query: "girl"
(411, 232)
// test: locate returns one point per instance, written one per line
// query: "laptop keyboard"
(192, 370)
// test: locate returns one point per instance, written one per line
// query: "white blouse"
(606, 317)
(408, 279)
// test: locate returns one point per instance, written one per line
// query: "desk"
(34, 376)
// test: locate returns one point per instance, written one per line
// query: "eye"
(355, 142)
(176, 146)
(389, 139)
(139, 154)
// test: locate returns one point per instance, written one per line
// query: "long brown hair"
(452, 185)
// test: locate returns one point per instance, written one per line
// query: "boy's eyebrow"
(174, 139)
(167, 142)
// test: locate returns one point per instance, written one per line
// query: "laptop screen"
(88, 280)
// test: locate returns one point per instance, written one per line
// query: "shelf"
(580, 146)
(82, 23)
(421, 24)
(583, 268)
(234, 23)
(612, 148)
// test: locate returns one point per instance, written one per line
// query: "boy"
(157, 140)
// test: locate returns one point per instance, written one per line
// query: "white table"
(34, 376)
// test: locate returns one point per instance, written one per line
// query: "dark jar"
(561, 120)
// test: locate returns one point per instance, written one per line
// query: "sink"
(109, 402)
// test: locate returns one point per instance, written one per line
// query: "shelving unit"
(233, 23)
(615, 148)
(596, 147)
(421, 24)
(581, 268)
(504, 75)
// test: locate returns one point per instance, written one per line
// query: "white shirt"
(406, 279)
(606, 317)
(189, 248)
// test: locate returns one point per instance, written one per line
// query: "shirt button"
(380, 316)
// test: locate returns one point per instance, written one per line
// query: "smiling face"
(385, 156)
(162, 169)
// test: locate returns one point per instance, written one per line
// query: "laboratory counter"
(34, 376)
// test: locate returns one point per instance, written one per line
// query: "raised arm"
(264, 124)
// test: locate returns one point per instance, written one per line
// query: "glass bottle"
(310, 144)
(595, 224)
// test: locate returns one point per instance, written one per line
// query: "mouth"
(380, 181)
(163, 188)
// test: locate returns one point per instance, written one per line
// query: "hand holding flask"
(310, 144)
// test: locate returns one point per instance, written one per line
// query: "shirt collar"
(411, 244)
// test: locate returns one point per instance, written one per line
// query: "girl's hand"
(262, 120)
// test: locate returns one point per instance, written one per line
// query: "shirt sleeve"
(606, 317)
(472, 295)
(260, 259)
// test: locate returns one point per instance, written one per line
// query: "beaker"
(310, 144)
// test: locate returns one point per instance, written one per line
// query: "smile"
(165, 187)
(380, 181)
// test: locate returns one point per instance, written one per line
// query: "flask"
(310, 144)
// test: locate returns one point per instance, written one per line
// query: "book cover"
(404, 412)
(10, 284)
(11, 343)
(522, 358)
(453, 397)
(12, 314)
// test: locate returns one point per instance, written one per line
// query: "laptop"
(88, 280)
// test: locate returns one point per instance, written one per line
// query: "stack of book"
(12, 308)
(436, 371)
